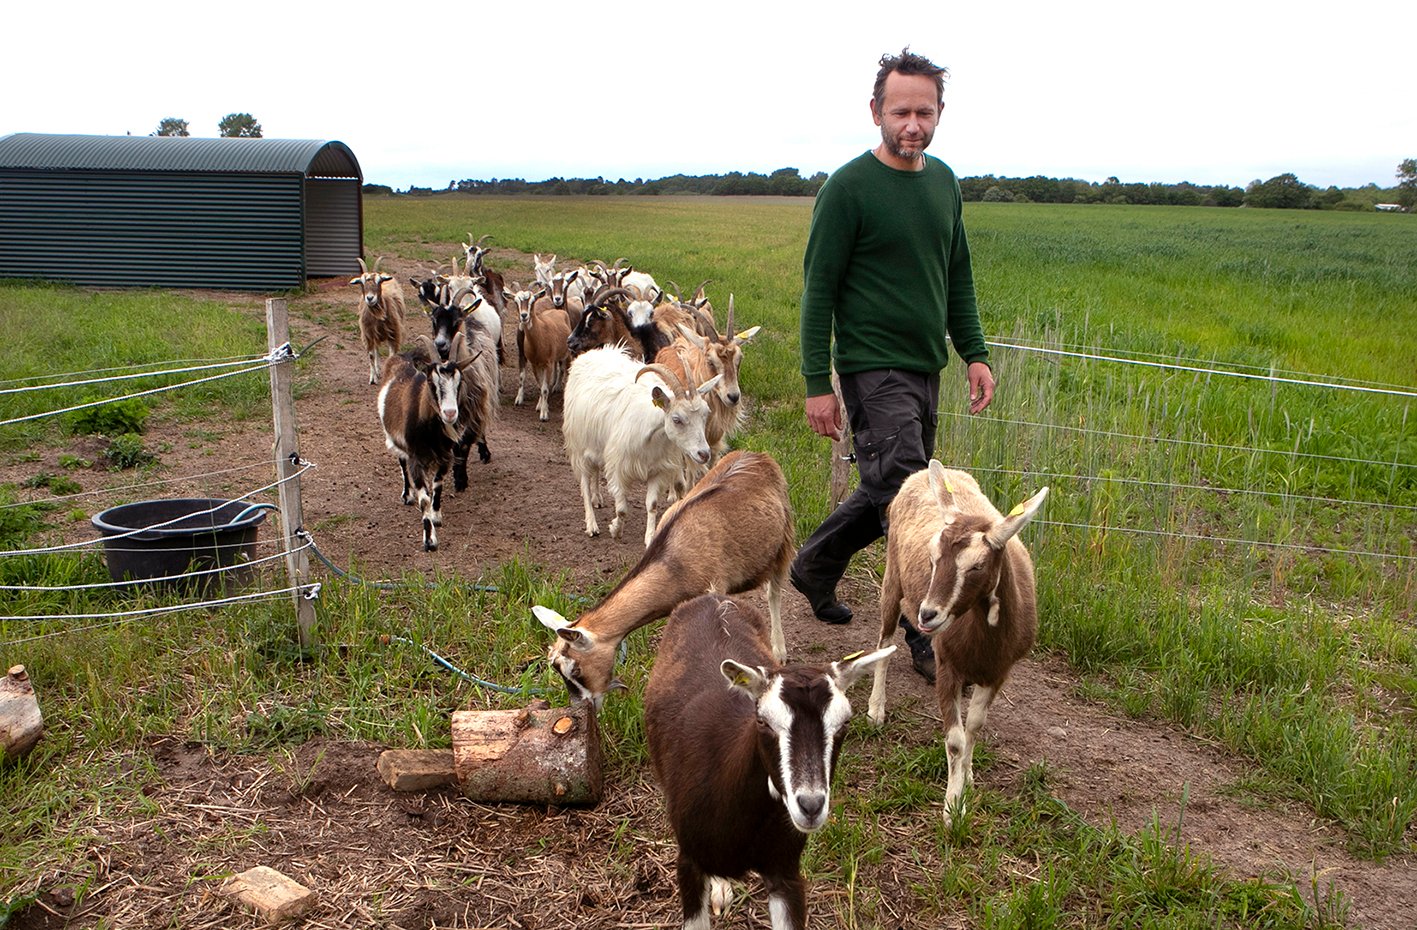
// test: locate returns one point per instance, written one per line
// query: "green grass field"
(1237, 556)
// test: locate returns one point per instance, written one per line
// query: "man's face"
(908, 114)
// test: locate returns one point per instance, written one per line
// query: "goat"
(639, 313)
(630, 430)
(746, 769)
(380, 313)
(418, 410)
(601, 323)
(542, 335)
(480, 388)
(700, 358)
(543, 268)
(955, 564)
(491, 285)
(732, 533)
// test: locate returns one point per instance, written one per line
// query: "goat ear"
(751, 681)
(944, 494)
(354, 280)
(849, 670)
(549, 618)
(746, 335)
(694, 338)
(660, 399)
(1017, 519)
(710, 384)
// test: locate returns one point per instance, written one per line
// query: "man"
(887, 273)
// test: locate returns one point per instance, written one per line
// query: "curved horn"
(678, 299)
(670, 378)
(605, 294)
(618, 262)
(363, 268)
(378, 260)
(458, 295)
(699, 291)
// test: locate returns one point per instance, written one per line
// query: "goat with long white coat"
(630, 423)
(955, 564)
(745, 768)
(731, 533)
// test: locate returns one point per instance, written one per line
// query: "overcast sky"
(424, 93)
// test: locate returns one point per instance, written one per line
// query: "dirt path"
(524, 504)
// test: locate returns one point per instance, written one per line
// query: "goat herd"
(650, 396)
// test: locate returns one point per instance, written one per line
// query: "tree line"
(1283, 191)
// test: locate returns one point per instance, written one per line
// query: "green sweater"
(887, 274)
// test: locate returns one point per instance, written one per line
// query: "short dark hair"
(907, 62)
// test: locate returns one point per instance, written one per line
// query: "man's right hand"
(824, 416)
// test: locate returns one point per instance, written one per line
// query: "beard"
(906, 151)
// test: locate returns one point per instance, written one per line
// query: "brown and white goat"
(955, 564)
(694, 356)
(732, 533)
(745, 769)
(381, 310)
(542, 334)
(602, 323)
(418, 410)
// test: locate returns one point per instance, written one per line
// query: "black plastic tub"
(178, 536)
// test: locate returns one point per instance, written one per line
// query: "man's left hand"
(981, 386)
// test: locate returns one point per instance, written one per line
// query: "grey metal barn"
(253, 214)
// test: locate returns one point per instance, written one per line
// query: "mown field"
(1236, 556)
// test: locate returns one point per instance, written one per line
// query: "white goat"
(953, 562)
(631, 423)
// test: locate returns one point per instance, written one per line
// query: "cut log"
(275, 896)
(417, 769)
(529, 756)
(21, 724)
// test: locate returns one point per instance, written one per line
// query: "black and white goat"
(418, 410)
(381, 311)
(955, 564)
(481, 385)
(744, 751)
(731, 533)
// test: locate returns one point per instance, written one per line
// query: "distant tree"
(1284, 192)
(1407, 183)
(239, 126)
(997, 194)
(172, 126)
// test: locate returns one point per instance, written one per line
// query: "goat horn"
(729, 328)
(699, 291)
(480, 239)
(378, 260)
(363, 268)
(601, 296)
(669, 377)
(618, 263)
(677, 298)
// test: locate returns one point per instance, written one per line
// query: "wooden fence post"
(287, 458)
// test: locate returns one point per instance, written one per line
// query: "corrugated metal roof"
(310, 157)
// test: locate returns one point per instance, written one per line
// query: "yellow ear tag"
(741, 680)
(1018, 509)
(853, 657)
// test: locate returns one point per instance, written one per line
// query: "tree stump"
(530, 756)
(21, 724)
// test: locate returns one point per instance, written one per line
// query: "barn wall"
(159, 229)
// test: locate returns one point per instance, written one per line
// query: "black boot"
(824, 603)
(922, 656)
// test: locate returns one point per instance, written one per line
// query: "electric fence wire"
(480, 682)
(1176, 486)
(129, 377)
(304, 535)
(64, 547)
(1197, 369)
(102, 371)
(143, 484)
(1225, 447)
(236, 566)
(1301, 547)
(308, 591)
(276, 356)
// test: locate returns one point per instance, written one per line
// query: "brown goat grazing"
(732, 533)
(954, 563)
(746, 769)
(381, 310)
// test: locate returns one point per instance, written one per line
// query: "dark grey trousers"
(893, 415)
